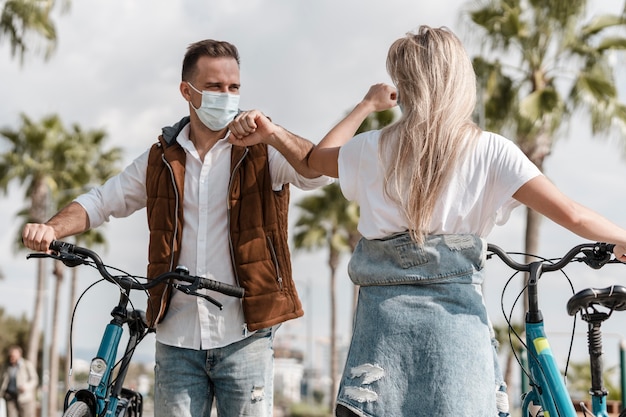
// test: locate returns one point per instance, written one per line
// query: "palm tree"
(50, 160)
(329, 220)
(544, 63)
(30, 162)
(90, 164)
(25, 22)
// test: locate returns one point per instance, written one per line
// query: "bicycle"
(548, 394)
(106, 394)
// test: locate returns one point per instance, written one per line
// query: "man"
(18, 385)
(220, 210)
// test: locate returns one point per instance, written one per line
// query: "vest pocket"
(279, 278)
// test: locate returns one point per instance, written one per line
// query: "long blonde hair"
(437, 94)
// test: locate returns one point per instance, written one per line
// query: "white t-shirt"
(478, 196)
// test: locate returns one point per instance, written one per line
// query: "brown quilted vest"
(258, 230)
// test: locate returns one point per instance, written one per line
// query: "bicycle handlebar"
(72, 255)
(596, 255)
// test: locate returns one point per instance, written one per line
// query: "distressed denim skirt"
(421, 343)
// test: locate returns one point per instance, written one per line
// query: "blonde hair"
(437, 93)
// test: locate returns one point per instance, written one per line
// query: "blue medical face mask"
(216, 109)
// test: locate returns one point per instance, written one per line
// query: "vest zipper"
(169, 168)
(279, 278)
(230, 238)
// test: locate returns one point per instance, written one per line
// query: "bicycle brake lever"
(596, 259)
(210, 299)
(39, 255)
(68, 259)
(190, 290)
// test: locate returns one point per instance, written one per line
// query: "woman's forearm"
(324, 157)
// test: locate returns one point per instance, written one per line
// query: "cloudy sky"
(117, 67)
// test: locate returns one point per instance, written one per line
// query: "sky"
(305, 64)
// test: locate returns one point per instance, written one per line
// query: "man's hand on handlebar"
(37, 236)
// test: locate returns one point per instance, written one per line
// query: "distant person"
(430, 188)
(18, 385)
(221, 211)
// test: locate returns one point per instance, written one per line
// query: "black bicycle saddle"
(613, 297)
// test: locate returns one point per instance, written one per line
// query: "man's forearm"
(71, 220)
(295, 149)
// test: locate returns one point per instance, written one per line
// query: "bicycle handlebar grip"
(60, 246)
(222, 287)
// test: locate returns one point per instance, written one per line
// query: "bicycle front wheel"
(78, 409)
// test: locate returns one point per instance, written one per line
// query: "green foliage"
(376, 121)
(557, 63)
(579, 381)
(28, 26)
(13, 331)
(308, 410)
(55, 163)
(327, 218)
(64, 156)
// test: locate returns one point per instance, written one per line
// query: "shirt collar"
(186, 143)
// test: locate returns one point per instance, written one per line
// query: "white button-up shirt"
(192, 322)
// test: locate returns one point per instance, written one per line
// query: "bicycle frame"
(105, 396)
(548, 389)
(99, 396)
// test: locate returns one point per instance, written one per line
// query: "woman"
(430, 189)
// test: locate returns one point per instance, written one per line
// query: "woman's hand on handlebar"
(620, 252)
(37, 236)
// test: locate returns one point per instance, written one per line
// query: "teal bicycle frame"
(548, 395)
(100, 395)
(548, 388)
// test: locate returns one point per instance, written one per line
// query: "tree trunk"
(353, 240)
(332, 263)
(69, 377)
(33, 336)
(537, 155)
(333, 342)
(508, 369)
(531, 244)
(38, 211)
(54, 351)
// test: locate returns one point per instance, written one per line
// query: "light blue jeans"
(421, 343)
(239, 376)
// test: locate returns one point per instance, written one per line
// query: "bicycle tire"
(78, 409)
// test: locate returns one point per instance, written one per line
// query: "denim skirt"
(421, 343)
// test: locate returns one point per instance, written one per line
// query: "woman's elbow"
(323, 162)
